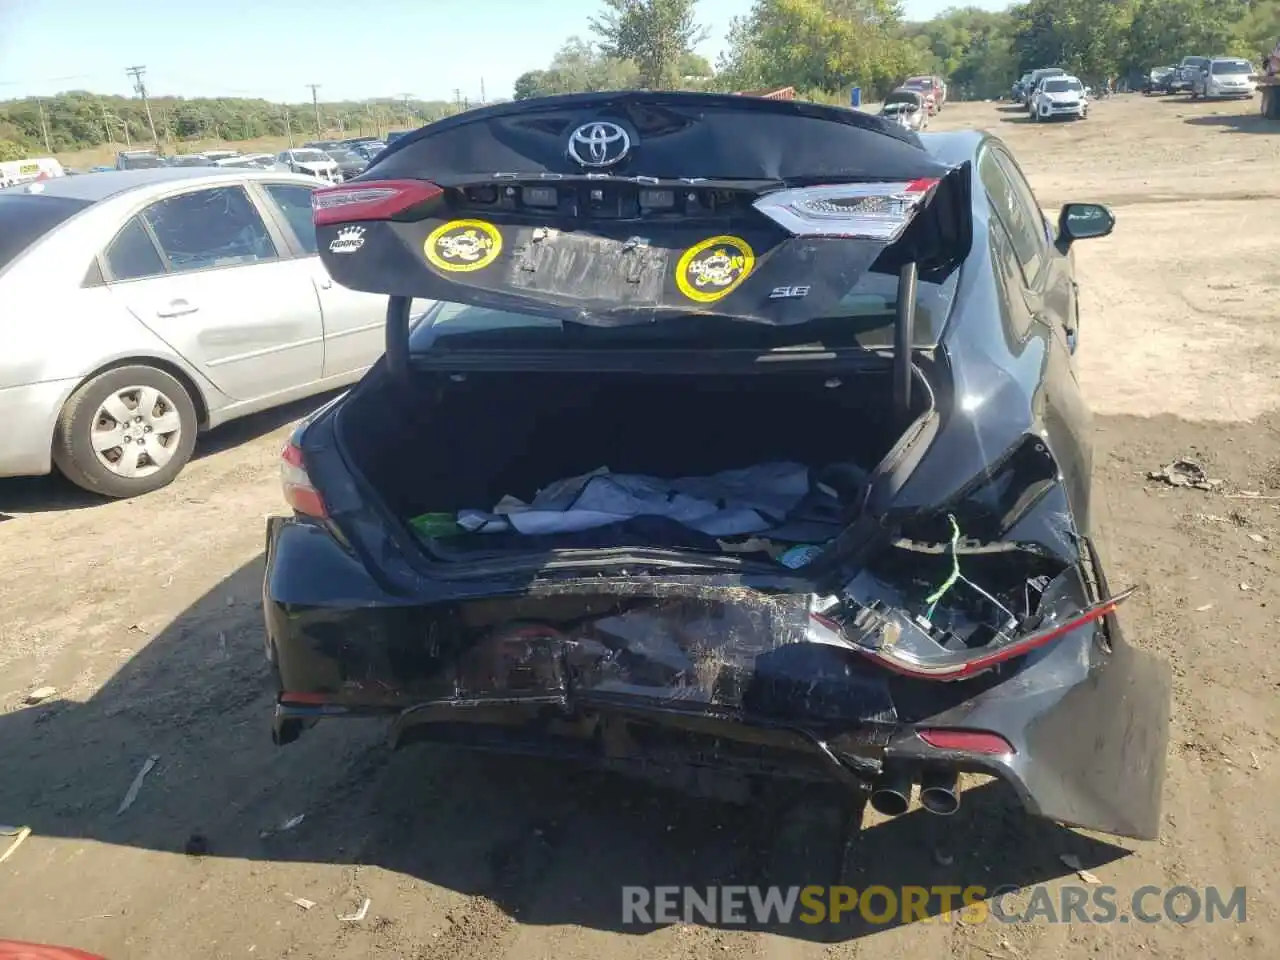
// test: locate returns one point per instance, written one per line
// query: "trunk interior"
(453, 442)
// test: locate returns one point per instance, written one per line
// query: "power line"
(315, 102)
(141, 88)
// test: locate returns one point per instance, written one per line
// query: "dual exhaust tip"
(939, 792)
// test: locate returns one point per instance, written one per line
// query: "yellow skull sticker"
(461, 246)
(714, 268)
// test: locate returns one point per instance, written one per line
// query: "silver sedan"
(139, 307)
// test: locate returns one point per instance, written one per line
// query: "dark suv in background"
(1186, 72)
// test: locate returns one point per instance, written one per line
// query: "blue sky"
(272, 48)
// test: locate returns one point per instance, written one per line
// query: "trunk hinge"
(397, 347)
(904, 331)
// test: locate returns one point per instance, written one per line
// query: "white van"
(13, 172)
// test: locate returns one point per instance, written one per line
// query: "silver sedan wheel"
(135, 432)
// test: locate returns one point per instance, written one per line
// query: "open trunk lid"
(623, 208)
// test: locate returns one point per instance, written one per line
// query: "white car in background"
(1061, 96)
(1224, 77)
(139, 307)
(312, 162)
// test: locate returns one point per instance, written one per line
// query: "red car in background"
(933, 89)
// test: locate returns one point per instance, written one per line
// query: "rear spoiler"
(629, 208)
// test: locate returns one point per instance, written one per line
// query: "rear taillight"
(298, 490)
(861, 211)
(372, 200)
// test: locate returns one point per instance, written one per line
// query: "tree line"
(822, 48)
(79, 119)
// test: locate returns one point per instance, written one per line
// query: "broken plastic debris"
(19, 834)
(1257, 538)
(1185, 472)
(40, 693)
(359, 914)
(134, 787)
(304, 903)
(1203, 607)
(1245, 586)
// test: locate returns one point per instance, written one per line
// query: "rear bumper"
(1086, 718)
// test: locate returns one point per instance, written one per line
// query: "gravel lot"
(145, 617)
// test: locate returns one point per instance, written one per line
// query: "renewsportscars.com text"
(893, 905)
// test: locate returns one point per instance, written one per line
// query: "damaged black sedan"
(744, 435)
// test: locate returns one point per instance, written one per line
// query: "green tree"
(657, 35)
(577, 67)
(971, 47)
(826, 45)
(1088, 37)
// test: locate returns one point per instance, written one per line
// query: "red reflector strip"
(372, 200)
(966, 741)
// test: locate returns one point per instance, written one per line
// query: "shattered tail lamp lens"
(904, 648)
(855, 211)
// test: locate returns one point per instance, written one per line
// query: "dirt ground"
(145, 617)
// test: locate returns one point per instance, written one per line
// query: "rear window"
(25, 218)
(1230, 66)
(865, 319)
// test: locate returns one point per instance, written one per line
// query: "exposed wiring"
(933, 598)
(957, 577)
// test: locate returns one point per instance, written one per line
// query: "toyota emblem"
(599, 144)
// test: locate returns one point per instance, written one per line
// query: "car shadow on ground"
(545, 843)
(1236, 122)
(54, 493)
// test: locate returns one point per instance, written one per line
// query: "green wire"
(951, 580)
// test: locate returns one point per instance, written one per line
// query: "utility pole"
(315, 102)
(408, 117)
(288, 127)
(483, 98)
(141, 88)
(44, 129)
(106, 124)
(457, 98)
